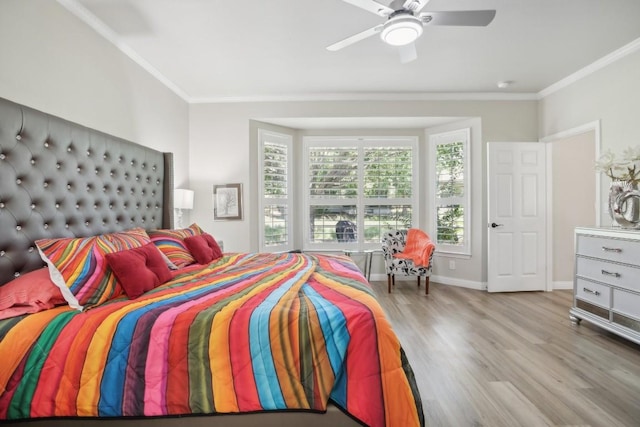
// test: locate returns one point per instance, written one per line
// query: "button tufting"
(33, 161)
(45, 226)
(57, 205)
(46, 184)
(2, 253)
(46, 144)
(68, 149)
(16, 274)
(86, 223)
(144, 165)
(66, 226)
(79, 169)
(120, 159)
(2, 156)
(18, 227)
(97, 171)
(68, 186)
(57, 165)
(1, 205)
(31, 247)
(88, 152)
(33, 206)
(18, 137)
(77, 206)
(110, 206)
(18, 181)
(154, 167)
(88, 188)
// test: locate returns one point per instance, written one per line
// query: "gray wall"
(223, 132)
(610, 95)
(51, 61)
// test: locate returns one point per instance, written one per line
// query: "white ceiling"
(212, 50)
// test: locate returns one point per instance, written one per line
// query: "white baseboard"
(563, 285)
(451, 281)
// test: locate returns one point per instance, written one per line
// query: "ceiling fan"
(404, 23)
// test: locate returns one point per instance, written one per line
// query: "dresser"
(606, 286)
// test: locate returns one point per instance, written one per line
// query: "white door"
(517, 216)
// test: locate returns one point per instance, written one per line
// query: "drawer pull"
(596, 293)
(607, 249)
(609, 273)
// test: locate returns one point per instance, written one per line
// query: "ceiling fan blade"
(415, 5)
(408, 53)
(371, 6)
(479, 18)
(355, 38)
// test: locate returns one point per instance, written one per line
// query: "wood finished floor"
(512, 359)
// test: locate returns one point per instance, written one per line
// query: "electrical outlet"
(452, 265)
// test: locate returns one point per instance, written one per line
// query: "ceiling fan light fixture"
(401, 30)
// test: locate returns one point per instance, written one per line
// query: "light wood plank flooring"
(512, 359)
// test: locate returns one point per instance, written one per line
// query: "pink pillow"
(203, 248)
(139, 270)
(79, 268)
(29, 293)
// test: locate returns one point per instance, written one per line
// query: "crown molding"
(373, 96)
(592, 68)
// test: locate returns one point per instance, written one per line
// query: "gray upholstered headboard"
(60, 179)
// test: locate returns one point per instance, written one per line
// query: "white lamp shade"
(182, 199)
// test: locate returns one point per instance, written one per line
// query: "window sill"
(445, 254)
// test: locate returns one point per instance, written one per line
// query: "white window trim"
(357, 142)
(444, 138)
(287, 140)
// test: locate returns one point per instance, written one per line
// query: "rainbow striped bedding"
(250, 332)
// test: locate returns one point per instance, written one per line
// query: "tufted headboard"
(60, 179)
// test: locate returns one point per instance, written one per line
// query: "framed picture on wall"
(227, 202)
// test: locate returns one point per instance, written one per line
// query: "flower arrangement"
(626, 169)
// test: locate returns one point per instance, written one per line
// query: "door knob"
(494, 225)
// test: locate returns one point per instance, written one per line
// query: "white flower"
(631, 154)
(626, 169)
(606, 161)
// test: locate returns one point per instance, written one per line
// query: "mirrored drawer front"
(614, 274)
(595, 293)
(626, 303)
(610, 249)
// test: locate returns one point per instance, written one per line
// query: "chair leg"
(418, 281)
(426, 285)
(389, 282)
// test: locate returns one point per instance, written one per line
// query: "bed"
(235, 340)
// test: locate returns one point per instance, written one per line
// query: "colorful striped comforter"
(251, 332)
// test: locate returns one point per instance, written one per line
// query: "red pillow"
(139, 270)
(203, 248)
(29, 293)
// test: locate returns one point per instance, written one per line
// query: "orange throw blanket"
(418, 248)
